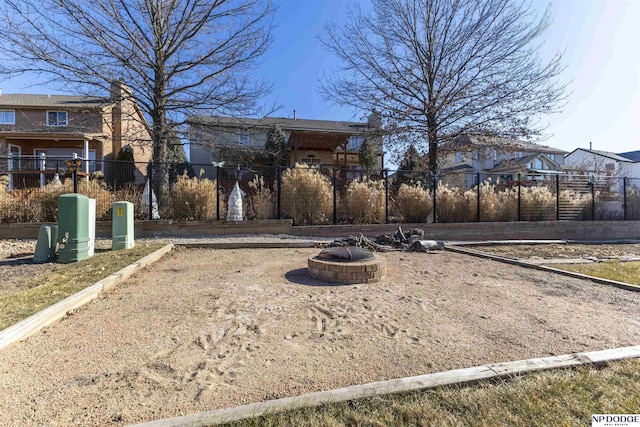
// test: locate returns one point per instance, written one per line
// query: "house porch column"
(85, 155)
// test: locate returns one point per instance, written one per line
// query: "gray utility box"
(47, 243)
(122, 226)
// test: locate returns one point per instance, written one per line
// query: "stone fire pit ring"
(346, 271)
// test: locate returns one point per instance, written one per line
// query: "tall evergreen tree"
(366, 155)
(276, 146)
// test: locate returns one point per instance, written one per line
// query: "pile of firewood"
(412, 240)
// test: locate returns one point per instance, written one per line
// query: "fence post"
(478, 197)
(386, 196)
(592, 184)
(75, 173)
(42, 167)
(9, 169)
(335, 211)
(150, 195)
(519, 194)
(557, 197)
(279, 184)
(218, 193)
(624, 198)
(593, 202)
(435, 198)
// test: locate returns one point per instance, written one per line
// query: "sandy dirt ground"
(206, 329)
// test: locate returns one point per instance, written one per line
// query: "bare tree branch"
(436, 69)
(178, 57)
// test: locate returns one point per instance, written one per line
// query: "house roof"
(496, 141)
(521, 162)
(284, 123)
(52, 101)
(607, 154)
(631, 155)
(457, 168)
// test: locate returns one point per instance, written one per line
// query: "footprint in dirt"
(389, 330)
(324, 319)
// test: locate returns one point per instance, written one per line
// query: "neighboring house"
(314, 142)
(582, 161)
(39, 132)
(585, 161)
(497, 158)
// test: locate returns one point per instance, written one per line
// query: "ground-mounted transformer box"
(73, 228)
(122, 226)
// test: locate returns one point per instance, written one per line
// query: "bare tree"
(436, 69)
(177, 56)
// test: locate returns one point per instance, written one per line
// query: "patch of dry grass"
(627, 272)
(64, 281)
(554, 398)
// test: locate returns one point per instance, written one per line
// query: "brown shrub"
(413, 203)
(365, 201)
(41, 204)
(306, 195)
(537, 204)
(193, 199)
(454, 204)
(261, 200)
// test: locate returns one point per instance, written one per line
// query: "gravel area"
(17, 267)
(204, 329)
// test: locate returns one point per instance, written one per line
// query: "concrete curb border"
(250, 245)
(34, 323)
(480, 254)
(421, 382)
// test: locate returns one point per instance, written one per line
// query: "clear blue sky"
(601, 40)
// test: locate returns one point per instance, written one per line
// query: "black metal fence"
(29, 189)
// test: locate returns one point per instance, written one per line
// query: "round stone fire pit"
(347, 265)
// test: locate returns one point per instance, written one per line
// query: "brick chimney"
(116, 96)
(116, 90)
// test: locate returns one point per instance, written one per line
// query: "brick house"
(38, 133)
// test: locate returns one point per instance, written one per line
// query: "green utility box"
(73, 228)
(122, 226)
(47, 242)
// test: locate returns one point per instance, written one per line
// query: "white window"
(458, 157)
(353, 171)
(519, 154)
(311, 159)
(243, 137)
(495, 155)
(57, 118)
(355, 142)
(609, 168)
(15, 152)
(7, 117)
(536, 164)
(476, 155)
